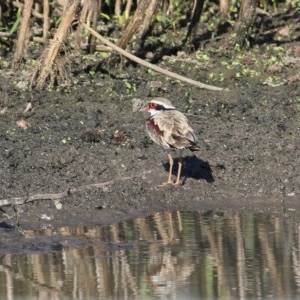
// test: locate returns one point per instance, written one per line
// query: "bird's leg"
(179, 168)
(171, 161)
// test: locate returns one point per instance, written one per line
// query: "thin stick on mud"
(149, 65)
(65, 194)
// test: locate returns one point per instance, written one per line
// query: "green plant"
(130, 87)
(295, 3)
(17, 21)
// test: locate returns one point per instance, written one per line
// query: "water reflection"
(179, 255)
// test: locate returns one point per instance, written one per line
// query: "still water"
(178, 255)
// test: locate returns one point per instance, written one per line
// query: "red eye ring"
(152, 105)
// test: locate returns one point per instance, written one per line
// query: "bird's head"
(158, 105)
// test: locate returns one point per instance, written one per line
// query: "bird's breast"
(153, 128)
(156, 134)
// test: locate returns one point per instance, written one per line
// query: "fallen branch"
(149, 65)
(59, 196)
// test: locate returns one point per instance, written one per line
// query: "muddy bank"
(89, 135)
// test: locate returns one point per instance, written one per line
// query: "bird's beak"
(145, 109)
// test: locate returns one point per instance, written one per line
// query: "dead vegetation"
(63, 33)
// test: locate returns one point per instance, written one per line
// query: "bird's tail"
(194, 147)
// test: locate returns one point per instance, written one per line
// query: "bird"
(170, 129)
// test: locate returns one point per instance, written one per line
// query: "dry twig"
(60, 196)
(149, 65)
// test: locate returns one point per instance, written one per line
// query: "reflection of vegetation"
(217, 255)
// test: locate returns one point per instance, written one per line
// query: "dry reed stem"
(23, 34)
(224, 7)
(134, 23)
(197, 10)
(148, 17)
(34, 12)
(46, 64)
(46, 20)
(246, 18)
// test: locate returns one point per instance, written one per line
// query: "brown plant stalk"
(149, 65)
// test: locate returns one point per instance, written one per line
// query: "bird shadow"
(193, 167)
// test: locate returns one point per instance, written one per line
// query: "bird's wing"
(175, 128)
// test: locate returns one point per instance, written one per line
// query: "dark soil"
(88, 134)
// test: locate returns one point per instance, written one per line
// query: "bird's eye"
(152, 105)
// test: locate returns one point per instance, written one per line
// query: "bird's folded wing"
(175, 128)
